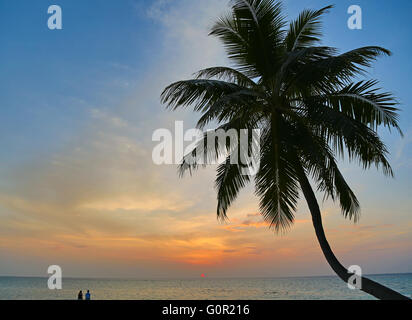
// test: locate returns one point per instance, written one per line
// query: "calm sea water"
(328, 287)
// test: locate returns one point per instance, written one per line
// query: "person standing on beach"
(80, 295)
(88, 295)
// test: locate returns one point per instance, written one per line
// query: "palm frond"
(199, 93)
(366, 104)
(231, 106)
(306, 29)
(347, 135)
(226, 74)
(209, 149)
(320, 162)
(335, 71)
(276, 183)
(229, 181)
(249, 34)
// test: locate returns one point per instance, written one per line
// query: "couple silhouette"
(80, 295)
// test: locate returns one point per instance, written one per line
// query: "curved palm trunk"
(377, 290)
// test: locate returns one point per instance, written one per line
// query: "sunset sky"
(78, 187)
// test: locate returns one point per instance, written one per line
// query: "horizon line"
(196, 278)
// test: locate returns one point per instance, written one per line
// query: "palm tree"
(310, 111)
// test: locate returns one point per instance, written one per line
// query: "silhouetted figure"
(88, 295)
(80, 295)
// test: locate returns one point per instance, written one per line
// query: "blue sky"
(103, 40)
(57, 69)
(71, 100)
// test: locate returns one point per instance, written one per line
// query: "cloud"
(254, 220)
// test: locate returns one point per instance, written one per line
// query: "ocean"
(302, 288)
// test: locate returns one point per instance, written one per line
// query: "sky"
(78, 187)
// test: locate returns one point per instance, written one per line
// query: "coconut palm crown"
(311, 111)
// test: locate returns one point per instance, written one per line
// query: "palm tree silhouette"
(309, 109)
